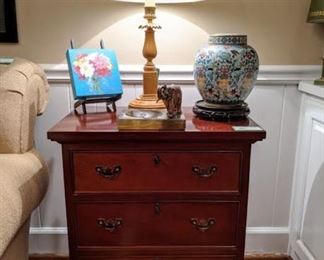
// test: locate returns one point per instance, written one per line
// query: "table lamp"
(149, 98)
(316, 15)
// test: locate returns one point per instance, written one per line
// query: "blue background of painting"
(110, 85)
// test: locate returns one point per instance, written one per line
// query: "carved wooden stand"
(216, 112)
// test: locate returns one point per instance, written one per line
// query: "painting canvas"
(94, 73)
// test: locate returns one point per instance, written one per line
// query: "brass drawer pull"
(204, 172)
(110, 225)
(203, 224)
(109, 173)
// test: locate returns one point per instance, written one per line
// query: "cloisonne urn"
(225, 73)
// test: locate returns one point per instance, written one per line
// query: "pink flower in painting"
(78, 71)
(102, 65)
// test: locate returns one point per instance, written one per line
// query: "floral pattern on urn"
(226, 70)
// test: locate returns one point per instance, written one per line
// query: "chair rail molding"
(183, 74)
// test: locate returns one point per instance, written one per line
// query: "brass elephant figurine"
(172, 99)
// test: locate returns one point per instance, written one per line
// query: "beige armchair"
(23, 174)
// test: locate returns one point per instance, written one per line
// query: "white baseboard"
(53, 240)
(48, 231)
(267, 240)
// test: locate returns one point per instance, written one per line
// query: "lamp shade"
(316, 12)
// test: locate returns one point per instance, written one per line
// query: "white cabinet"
(307, 212)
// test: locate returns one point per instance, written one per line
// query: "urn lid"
(228, 39)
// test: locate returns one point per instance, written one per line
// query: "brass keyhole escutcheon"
(156, 159)
(157, 208)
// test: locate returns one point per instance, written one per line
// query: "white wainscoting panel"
(312, 233)
(307, 212)
(266, 109)
(286, 156)
(52, 208)
(274, 103)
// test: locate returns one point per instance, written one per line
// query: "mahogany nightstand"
(148, 195)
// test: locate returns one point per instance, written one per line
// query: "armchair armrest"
(23, 95)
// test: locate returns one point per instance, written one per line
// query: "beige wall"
(276, 28)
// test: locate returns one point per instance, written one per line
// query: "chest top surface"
(103, 127)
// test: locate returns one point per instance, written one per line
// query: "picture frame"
(94, 73)
(8, 22)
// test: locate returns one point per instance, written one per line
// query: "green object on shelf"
(316, 12)
(320, 82)
(316, 15)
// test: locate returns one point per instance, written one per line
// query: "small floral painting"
(94, 73)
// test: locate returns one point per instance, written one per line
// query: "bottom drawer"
(157, 224)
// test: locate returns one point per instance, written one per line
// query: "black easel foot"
(108, 100)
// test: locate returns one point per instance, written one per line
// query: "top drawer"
(162, 171)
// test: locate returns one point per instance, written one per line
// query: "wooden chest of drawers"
(178, 195)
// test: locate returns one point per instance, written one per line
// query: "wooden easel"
(110, 101)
